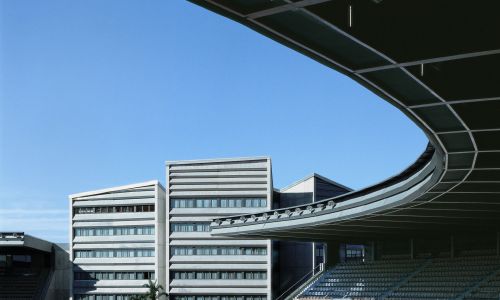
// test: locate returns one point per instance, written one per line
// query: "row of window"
(104, 297)
(103, 253)
(218, 202)
(354, 253)
(107, 231)
(15, 258)
(233, 297)
(129, 297)
(218, 251)
(259, 275)
(114, 209)
(114, 275)
(190, 227)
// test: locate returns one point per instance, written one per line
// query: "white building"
(203, 267)
(123, 236)
(117, 241)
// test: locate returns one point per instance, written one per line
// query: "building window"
(103, 297)
(112, 253)
(225, 275)
(190, 227)
(218, 202)
(110, 231)
(354, 252)
(114, 275)
(211, 297)
(114, 209)
(218, 251)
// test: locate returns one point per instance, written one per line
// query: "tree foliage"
(155, 292)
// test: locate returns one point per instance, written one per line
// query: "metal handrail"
(12, 235)
(321, 269)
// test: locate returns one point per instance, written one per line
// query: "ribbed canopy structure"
(436, 61)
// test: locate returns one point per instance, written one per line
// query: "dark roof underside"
(438, 62)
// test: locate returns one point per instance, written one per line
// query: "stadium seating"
(21, 286)
(487, 290)
(447, 278)
(361, 280)
(467, 277)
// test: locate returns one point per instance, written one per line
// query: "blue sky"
(96, 93)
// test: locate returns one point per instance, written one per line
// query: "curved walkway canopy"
(436, 61)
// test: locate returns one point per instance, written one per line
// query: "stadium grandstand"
(31, 268)
(431, 231)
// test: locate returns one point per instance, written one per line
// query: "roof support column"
(498, 243)
(372, 256)
(452, 246)
(412, 249)
(332, 254)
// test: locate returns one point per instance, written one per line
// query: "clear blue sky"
(97, 93)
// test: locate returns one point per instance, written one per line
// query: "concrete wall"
(60, 280)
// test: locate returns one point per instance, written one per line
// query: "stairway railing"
(303, 283)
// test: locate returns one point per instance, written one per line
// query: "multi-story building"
(123, 236)
(288, 271)
(117, 241)
(204, 267)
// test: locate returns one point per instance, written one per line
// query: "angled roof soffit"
(446, 81)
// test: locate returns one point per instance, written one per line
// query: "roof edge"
(333, 182)
(115, 188)
(295, 183)
(213, 160)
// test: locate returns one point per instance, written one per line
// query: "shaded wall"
(58, 288)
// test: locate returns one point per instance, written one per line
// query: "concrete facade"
(213, 267)
(42, 261)
(117, 241)
(58, 287)
(120, 237)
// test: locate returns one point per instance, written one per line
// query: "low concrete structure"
(33, 268)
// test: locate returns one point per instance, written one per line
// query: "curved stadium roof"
(436, 61)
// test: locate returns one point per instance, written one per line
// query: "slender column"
(412, 251)
(373, 251)
(498, 243)
(332, 254)
(452, 246)
(313, 244)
